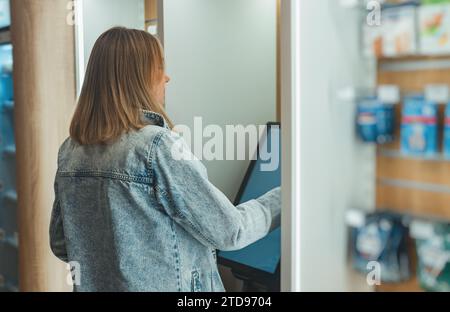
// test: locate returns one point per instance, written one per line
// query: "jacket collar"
(155, 118)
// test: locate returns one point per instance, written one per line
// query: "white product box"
(434, 23)
(372, 40)
(399, 31)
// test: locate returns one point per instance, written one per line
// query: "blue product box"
(385, 123)
(375, 120)
(366, 120)
(447, 132)
(6, 86)
(6, 76)
(419, 130)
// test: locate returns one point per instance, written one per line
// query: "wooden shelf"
(396, 154)
(408, 286)
(413, 57)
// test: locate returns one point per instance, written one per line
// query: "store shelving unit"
(8, 194)
(413, 185)
(392, 166)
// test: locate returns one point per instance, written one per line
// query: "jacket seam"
(177, 255)
(151, 154)
(56, 218)
(98, 174)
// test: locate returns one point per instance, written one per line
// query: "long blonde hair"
(123, 67)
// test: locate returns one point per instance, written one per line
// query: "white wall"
(221, 56)
(99, 15)
(337, 171)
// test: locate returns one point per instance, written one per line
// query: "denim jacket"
(134, 218)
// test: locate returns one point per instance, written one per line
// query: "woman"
(130, 215)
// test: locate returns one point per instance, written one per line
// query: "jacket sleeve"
(57, 240)
(183, 189)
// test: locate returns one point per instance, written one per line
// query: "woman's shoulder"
(162, 142)
(155, 135)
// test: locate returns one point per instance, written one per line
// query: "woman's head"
(124, 76)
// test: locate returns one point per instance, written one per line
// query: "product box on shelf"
(6, 76)
(375, 120)
(419, 129)
(372, 40)
(399, 31)
(433, 253)
(384, 239)
(395, 36)
(446, 144)
(434, 28)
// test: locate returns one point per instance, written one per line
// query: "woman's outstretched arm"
(183, 189)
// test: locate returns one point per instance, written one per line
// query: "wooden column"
(44, 78)
(151, 10)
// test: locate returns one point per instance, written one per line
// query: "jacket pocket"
(196, 284)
